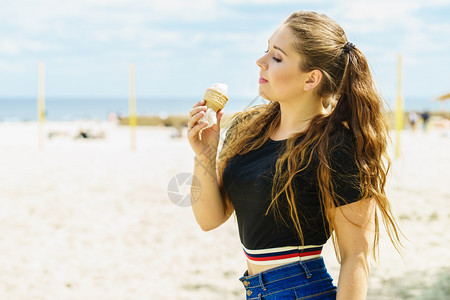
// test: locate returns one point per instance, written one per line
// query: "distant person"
(296, 173)
(413, 120)
(425, 119)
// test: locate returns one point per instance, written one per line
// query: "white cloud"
(375, 16)
(13, 67)
(8, 46)
(402, 23)
(161, 36)
(39, 15)
(101, 21)
(274, 2)
(16, 46)
(371, 16)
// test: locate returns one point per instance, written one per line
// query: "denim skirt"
(299, 280)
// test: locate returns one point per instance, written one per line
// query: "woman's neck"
(296, 116)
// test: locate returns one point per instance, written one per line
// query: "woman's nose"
(260, 62)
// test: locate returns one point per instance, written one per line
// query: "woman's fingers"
(194, 119)
(197, 109)
(199, 103)
(220, 114)
(196, 129)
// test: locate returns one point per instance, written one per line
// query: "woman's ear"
(312, 80)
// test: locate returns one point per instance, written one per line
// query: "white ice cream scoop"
(215, 98)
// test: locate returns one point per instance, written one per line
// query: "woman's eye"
(274, 58)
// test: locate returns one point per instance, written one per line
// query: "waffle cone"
(215, 99)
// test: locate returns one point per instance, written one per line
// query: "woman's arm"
(354, 225)
(210, 210)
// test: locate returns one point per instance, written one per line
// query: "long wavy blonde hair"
(348, 88)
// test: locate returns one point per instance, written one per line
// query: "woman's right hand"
(203, 141)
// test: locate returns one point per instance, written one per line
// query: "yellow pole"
(132, 109)
(399, 107)
(41, 103)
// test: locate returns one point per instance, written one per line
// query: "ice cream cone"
(215, 98)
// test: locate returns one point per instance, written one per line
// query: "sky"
(180, 47)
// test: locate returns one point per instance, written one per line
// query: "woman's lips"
(262, 80)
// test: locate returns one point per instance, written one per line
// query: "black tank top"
(248, 182)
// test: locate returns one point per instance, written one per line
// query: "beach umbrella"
(444, 97)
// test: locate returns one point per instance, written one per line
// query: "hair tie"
(348, 47)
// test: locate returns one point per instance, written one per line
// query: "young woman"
(309, 165)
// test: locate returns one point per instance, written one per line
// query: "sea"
(72, 109)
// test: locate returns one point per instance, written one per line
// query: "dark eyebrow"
(278, 48)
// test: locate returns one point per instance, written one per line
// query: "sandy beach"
(91, 219)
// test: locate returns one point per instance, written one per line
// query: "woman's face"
(280, 76)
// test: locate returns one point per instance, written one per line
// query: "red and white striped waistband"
(281, 255)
